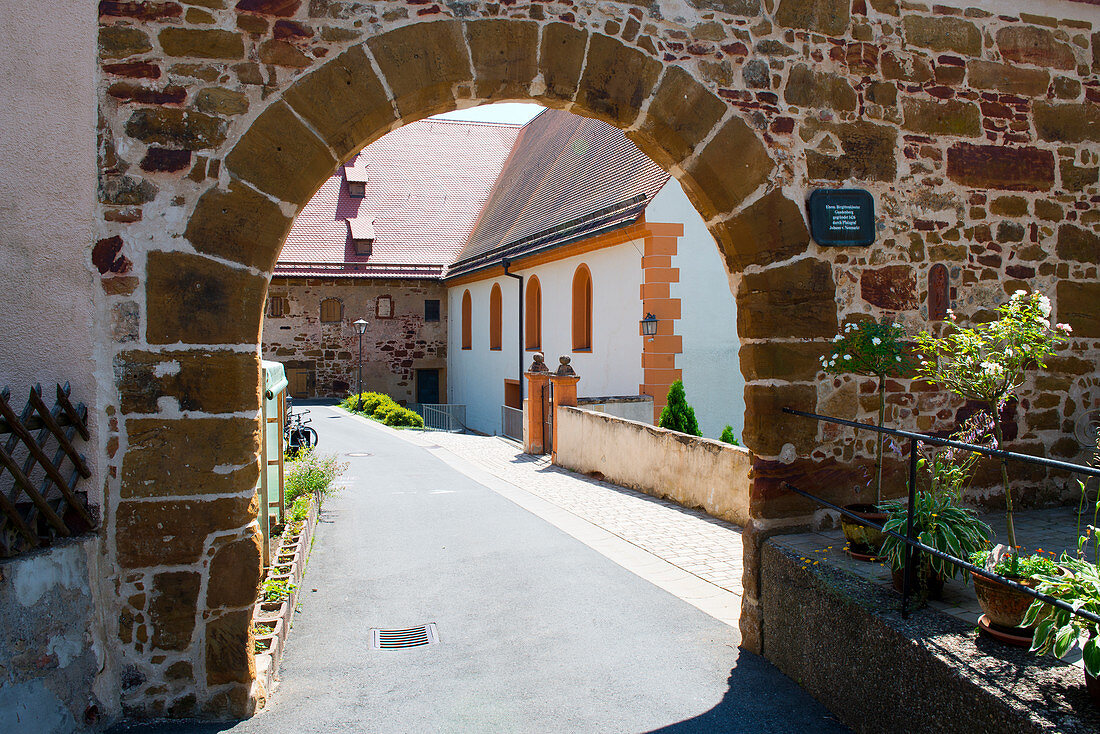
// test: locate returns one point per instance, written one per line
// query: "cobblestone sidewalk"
(693, 541)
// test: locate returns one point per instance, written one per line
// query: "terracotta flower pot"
(1003, 605)
(862, 539)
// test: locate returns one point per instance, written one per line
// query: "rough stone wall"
(976, 130)
(50, 649)
(393, 348)
(822, 624)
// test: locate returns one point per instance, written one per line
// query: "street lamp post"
(361, 327)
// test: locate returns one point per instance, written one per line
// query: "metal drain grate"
(397, 639)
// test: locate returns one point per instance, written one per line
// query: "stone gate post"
(534, 409)
(565, 382)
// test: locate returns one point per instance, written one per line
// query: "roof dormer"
(361, 231)
(355, 178)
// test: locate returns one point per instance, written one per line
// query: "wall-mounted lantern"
(649, 325)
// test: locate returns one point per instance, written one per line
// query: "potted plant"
(874, 349)
(1003, 607)
(986, 364)
(939, 521)
(1076, 581)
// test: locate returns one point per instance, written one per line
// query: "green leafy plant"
(875, 349)
(728, 437)
(986, 363)
(1020, 566)
(311, 473)
(276, 590)
(1076, 581)
(1058, 630)
(300, 509)
(677, 415)
(939, 519)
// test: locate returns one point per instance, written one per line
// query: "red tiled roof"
(569, 177)
(425, 184)
(463, 194)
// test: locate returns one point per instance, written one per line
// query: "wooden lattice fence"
(40, 470)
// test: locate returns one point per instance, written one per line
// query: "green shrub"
(398, 416)
(728, 437)
(677, 415)
(300, 509)
(366, 403)
(383, 408)
(310, 473)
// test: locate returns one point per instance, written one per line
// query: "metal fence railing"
(441, 416)
(511, 422)
(915, 546)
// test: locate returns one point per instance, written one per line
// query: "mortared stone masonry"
(976, 133)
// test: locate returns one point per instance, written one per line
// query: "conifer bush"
(727, 436)
(677, 415)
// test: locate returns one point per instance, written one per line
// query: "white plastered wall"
(51, 307)
(708, 318)
(47, 202)
(613, 367)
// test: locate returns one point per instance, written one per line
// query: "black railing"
(915, 440)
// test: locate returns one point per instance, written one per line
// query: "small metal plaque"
(842, 217)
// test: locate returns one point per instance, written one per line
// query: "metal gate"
(548, 418)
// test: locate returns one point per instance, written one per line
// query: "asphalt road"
(538, 632)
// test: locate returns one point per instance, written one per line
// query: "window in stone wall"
(383, 307)
(431, 309)
(276, 306)
(331, 310)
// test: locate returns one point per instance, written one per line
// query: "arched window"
(495, 308)
(582, 309)
(331, 310)
(532, 307)
(467, 308)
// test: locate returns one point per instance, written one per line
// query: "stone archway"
(218, 123)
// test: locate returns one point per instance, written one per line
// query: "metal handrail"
(976, 570)
(915, 439)
(937, 441)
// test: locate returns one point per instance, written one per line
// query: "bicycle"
(297, 434)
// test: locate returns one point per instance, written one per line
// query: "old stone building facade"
(975, 126)
(406, 336)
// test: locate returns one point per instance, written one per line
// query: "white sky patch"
(519, 113)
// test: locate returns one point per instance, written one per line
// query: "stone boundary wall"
(844, 641)
(691, 471)
(49, 657)
(631, 407)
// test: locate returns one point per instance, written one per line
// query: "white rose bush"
(987, 363)
(875, 349)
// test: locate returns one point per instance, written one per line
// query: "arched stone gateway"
(218, 121)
